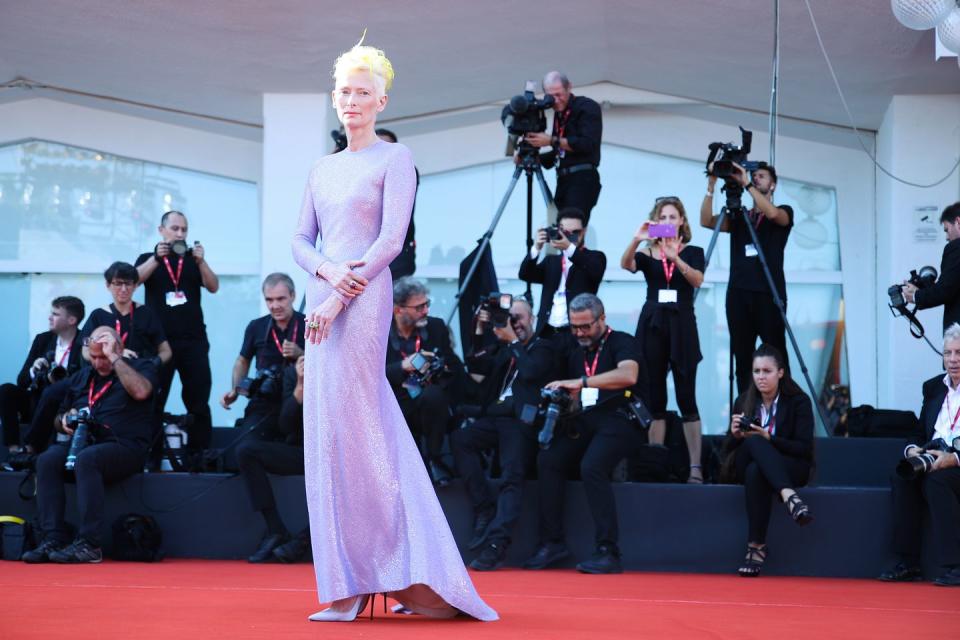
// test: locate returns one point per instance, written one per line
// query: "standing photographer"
(667, 328)
(602, 364)
(414, 335)
(946, 290)
(118, 394)
(939, 486)
(573, 271)
(575, 145)
(53, 355)
(174, 276)
(751, 309)
(272, 341)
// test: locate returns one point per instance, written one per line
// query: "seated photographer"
(769, 450)
(602, 364)
(108, 412)
(54, 355)
(564, 276)
(513, 372)
(946, 290)
(423, 369)
(272, 341)
(278, 451)
(929, 476)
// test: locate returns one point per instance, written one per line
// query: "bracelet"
(708, 194)
(583, 382)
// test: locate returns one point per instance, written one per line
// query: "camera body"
(426, 369)
(47, 374)
(266, 385)
(746, 423)
(916, 466)
(554, 403)
(498, 306)
(921, 279)
(724, 154)
(85, 432)
(525, 114)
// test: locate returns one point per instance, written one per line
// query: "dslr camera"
(554, 404)
(724, 154)
(86, 430)
(921, 280)
(498, 306)
(47, 373)
(916, 466)
(426, 369)
(266, 385)
(746, 423)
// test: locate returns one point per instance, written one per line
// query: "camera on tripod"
(554, 404)
(525, 114)
(729, 154)
(267, 384)
(426, 369)
(47, 373)
(921, 280)
(85, 432)
(498, 306)
(915, 466)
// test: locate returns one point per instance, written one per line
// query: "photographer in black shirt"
(575, 145)
(118, 394)
(174, 275)
(946, 290)
(601, 364)
(751, 309)
(54, 353)
(272, 341)
(513, 371)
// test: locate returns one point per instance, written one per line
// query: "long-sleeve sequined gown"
(374, 517)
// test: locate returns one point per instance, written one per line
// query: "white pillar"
(296, 132)
(919, 141)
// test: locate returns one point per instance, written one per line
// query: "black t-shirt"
(185, 320)
(653, 271)
(746, 272)
(144, 337)
(130, 421)
(618, 346)
(259, 343)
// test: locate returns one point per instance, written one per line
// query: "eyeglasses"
(666, 199)
(577, 328)
(417, 307)
(122, 284)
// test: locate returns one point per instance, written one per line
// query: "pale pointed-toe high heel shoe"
(346, 612)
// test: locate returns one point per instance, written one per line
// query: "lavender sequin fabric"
(375, 521)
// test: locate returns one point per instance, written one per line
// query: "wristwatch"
(583, 382)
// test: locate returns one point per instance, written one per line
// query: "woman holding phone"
(667, 329)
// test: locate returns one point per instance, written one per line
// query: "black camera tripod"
(528, 163)
(734, 207)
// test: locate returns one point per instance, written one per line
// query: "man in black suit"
(54, 354)
(946, 290)
(940, 486)
(574, 271)
(513, 372)
(414, 339)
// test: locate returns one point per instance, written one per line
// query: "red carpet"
(179, 599)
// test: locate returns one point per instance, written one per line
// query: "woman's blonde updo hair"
(365, 58)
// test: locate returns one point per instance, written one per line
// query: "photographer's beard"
(522, 330)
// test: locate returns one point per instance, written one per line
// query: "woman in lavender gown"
(375, 521)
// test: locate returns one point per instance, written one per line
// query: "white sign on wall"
(925, 224)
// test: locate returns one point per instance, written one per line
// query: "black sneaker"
(950, 579)
(79, 552)
(901, 573)
(491, 558)
(604, 560)
(546, 555)
(41, 553)
(481, 522)
(297, 550)
(440, 473)
(264, 552)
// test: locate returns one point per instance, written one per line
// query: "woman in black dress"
(667, 329)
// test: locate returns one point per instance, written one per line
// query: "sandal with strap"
(695, 479)
(799, 510)
(753, 562)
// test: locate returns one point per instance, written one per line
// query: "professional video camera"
(498, 306)
(730, 154)
(554, 403)
(525, 114)
(85, 432)
(47, 374)
(426, 369)
(916, 466)
(267, 384)
(925, 278)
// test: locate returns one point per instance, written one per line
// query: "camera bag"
(136, 538)
(16, 536)
(867, 422)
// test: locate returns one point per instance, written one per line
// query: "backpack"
(136, 538)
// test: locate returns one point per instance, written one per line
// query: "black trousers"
(602, 441)
(427, 415)
(257, 458)
(764, 472)
(191, 360)
(41, 425)
(517, 445)
(97, 466)
(580, 190)
(656, 353)
(16, 406)
(751, 314)
(940, 492)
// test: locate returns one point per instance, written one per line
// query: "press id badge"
(589, 397)
(176, 298)
(750, 251)
(667, 295)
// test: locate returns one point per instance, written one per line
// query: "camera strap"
(416, 348)
(94, 398)
(175, 279)
(276, 340)
(66, 354)
(123, 336)
(769, 420)
(591, 370)
(956, 416)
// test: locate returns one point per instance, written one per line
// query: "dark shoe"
(949, 579)
(546, 555)
(481, 522)
(79, 552)
(297, 550)
(41, 553)
(799, 510)
(604, 560)
(752, 564)
(491, 558)
(270, 542)
(440, 473)
(901, 573)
